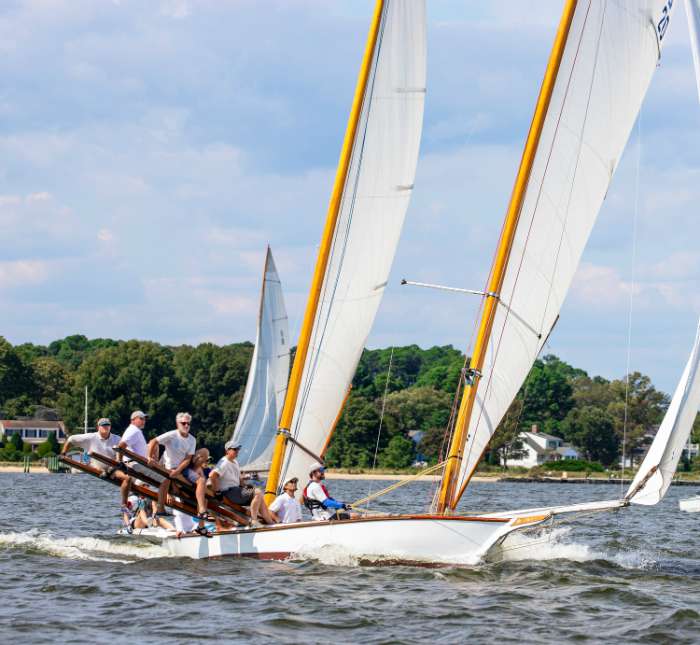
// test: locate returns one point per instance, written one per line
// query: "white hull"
(690, 505)
(412, 539)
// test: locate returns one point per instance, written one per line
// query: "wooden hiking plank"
(180, 480)
(212, 504)
(142, 490)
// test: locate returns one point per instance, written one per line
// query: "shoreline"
(516, 479)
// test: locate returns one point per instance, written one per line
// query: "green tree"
(49, 447)
(215, 378)
(125, 377)
(354, 440)
(593, 431)
(16, 377)
(52, 380)
(547, 394)
(399, 453)
(416, 408)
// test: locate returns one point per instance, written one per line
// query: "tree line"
(399, 407)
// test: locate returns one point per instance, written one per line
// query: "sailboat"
(266, 386)
(601, 64)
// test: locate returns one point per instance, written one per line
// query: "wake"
(553, 544)
(80, 548)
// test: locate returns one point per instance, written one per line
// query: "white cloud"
(22, 273)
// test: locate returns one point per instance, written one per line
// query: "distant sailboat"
(266, 387)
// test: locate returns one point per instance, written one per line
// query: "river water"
(632, 576)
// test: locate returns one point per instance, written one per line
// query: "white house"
(539, 448)
(32, 431)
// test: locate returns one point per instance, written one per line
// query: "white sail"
(256, 425)
(656, 472)
(692, 10)
(609, 58)
(374, 201)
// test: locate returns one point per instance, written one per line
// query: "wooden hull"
(419, 539)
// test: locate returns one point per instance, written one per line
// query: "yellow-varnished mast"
(447, 498)
(323, 255)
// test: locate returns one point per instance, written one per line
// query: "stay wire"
(635, 218)
(381, 422)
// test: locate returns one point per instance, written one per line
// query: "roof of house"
(542, 434)
(30, 423)
(562, 450)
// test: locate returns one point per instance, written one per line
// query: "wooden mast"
(323, 256)
(447, 498)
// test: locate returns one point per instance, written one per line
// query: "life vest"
(311, 503)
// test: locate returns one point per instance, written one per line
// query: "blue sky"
(149, 152)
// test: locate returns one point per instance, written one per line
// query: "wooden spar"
(235, 511)
(294, 385)
(187, 492)
(447, 498)
(141, 490)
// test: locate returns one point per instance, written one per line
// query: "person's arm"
(329, 502)
(66, 445)
(152, 450)
(183, 464)
(214, 479)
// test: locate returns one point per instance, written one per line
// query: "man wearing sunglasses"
(179, 447)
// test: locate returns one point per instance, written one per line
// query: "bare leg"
(125, 489)
(201, 494)
(263, 510)
(254, 506)
(163, 494)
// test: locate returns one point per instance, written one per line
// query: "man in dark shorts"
(225, 478)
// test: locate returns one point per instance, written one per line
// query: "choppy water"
(633, 576)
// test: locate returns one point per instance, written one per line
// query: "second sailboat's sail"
(376, 193)
(256, 425)
(609, 57)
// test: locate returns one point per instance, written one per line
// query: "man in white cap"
(317, 499)
(102, 442)
(134, 440)
(225, 479)
(285, 507)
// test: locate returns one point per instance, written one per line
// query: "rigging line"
(564, 103)
(400, 483)
(313, 363)
(381, 422)
(635, 218)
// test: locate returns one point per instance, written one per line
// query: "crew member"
(317, 499)
(285, 507)
(134, 440)
(225, 478)
(179, 447)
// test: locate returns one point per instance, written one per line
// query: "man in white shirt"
(285, 507)
(179, 447)
(134, 440)
(319, 502)
(102, 442)
(225, 479)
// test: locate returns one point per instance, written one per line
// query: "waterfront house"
(536, 448)
(33, 431)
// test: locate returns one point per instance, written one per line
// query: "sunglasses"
(184, 423)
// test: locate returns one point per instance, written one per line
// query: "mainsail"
(656, 472)
(601, 67)
(256, 425)
(366, 215)
(692, 10)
